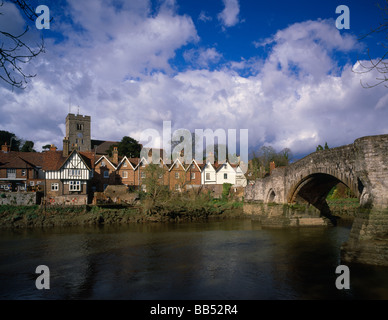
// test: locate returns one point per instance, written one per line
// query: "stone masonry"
(361, 166)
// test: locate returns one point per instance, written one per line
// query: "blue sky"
(280, 69)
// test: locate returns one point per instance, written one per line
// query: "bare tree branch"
(381, 64)
(14, 51)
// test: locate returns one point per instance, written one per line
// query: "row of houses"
(74, 176)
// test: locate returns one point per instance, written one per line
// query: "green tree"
(127, 147)
(28, 146)
(11, 140)
(46, 147)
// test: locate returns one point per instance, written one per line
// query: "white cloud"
(204, 17)
(202, 57)
(298, 97)
(230, 15)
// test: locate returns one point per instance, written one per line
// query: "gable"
(104, 161)
(121, 165)
(75, 161)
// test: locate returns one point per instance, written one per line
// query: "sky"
(281, 69)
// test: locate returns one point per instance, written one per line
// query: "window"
(80, 126)
(177, 188)
(125, 174)
(192, 175)
(161, 176)
(143, 175)
(75, 172)
(106, 174)
(176, 175)
(125, 165)
(54, 186)
(207, 176)
(103, 164)
(193, 166)
(11, 173)
(32, 183)
(225, 176)
(75, 186)
(23, 172)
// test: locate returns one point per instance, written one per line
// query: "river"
(228, 259)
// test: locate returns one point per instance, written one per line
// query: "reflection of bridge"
(361, 166)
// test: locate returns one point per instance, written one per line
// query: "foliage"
(46, 147)
(154, 181)
(28, 146)
(11, 140)
(128, 147)
(225, 190)
(320, 148)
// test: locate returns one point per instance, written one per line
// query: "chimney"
(65, 147)
(5, 147)
(115, 154)
(271, 166)
(53, 148)
(211, 157)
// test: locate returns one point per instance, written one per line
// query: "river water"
(229, 259)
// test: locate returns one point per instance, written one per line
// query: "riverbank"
(173, 211)
(37, 216)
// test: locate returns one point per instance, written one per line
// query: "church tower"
(78, 133)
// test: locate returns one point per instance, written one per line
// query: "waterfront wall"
(20, 198)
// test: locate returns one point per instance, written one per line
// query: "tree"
(128, 147)
(381, 64)
(11, 140)
(260, 163)
(46, 147)
(14, 51)
(28, 146)
(320, 148)
(154, 182)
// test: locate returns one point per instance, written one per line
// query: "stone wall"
(20, 198)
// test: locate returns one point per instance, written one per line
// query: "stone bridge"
(363, 167)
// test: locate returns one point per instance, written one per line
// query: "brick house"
(104, 174)
(177, 176)
(193, 173)
(20, 171)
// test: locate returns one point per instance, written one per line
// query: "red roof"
(17, 160)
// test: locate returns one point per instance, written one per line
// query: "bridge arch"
(271, 196)
(320, 182)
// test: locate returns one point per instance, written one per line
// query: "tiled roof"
(102, 149)
(53, 160)
(15, 159)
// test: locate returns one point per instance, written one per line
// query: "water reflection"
(214, 260)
